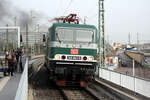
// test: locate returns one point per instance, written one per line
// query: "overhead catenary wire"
(69, 4)
(93, 16)
(68, 7)
(59, 7)
(93, 8)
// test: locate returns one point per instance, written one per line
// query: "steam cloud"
(4, 11)
(8, 13)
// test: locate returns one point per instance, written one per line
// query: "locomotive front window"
(74, 35)
(84, 36)
(65, 35)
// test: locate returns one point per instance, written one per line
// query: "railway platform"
(9, 84)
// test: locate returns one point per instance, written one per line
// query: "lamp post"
(133, 67)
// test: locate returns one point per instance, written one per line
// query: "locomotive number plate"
(73, 57)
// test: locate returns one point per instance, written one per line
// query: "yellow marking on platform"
(3, 82)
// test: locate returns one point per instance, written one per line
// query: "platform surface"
(9, 84)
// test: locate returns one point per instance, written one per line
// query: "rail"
(22, 92)
(136, 84)
(33, 68)
(37, 62)
(37, 56)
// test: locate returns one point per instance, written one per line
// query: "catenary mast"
(102, 42)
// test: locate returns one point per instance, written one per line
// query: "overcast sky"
(121, 16)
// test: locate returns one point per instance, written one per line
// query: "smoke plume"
(8, 13)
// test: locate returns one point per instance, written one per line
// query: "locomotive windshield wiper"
(58, 37)
(92, 39)
(89, 42)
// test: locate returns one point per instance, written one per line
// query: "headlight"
(90, 58)
(57, 57)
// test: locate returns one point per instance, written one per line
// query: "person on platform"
(17, 59)
(18, 55)
(6, 63)
(11, 62)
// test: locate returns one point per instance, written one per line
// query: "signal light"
(84, 58)
(44, 38)
(20, 37)
(63, 57)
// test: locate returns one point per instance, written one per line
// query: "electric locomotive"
(71, 51)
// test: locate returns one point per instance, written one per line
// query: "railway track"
(76, 93)
(102, 92)
(105, 90)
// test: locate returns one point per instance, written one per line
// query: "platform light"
(44, 38)
(20, 37)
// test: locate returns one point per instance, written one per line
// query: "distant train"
(71, 51)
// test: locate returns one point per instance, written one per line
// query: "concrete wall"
(135, 84)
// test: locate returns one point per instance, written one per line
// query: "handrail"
(22, 91)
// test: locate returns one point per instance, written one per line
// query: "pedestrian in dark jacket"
(18, 55)
(11, 62)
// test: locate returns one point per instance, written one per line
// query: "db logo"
(74, 51)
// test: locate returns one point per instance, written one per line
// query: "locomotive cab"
(71, 51)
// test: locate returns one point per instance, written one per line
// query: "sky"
(121, 16)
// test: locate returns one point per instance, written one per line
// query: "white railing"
(139, 85)
(22, 92)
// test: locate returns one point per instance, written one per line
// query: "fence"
(30, 43)
(22, 92)
(135, 84)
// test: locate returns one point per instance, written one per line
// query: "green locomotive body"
(71, 52)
